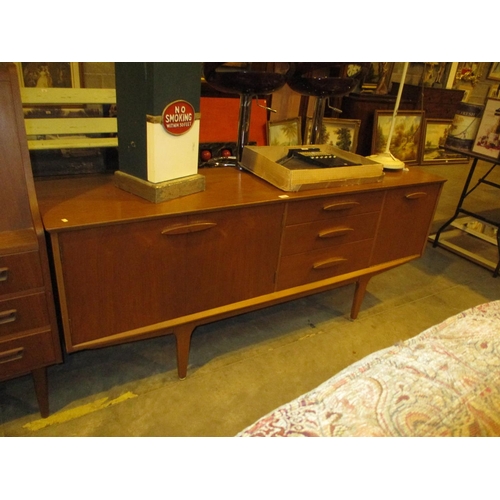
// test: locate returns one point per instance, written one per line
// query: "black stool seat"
(322, 86)
(315, 79)
(246, 80)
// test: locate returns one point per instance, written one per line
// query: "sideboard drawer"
(20, 272)
(23, 354)
(333, 206)
(299, 269)
(306, 237)
(23, 313)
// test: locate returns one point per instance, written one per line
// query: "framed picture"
(487, 140)
(435, 74)
(284, 132)
(468, 74)
(358, 71)
(354, 70)
(341, 133)
(406, 138)
(494, 73)
(432, 151)
(49, 74)
(378, 79)
(494, 91)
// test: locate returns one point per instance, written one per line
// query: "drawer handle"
(4, 273)
(189, 228)
(345, 205)
(8, 316)
(414, 196)
(333, 233)
(325, 264)
(12, 355)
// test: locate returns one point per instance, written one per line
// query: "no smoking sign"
(178, 117)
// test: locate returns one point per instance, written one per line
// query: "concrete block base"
(161, 191)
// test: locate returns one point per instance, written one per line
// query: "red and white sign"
(178, 117)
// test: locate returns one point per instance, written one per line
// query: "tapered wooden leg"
(183, 341)
(41, 390)
(359, 295)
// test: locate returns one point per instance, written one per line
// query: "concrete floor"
(243, 367)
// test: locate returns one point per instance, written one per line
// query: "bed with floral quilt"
(443, 382)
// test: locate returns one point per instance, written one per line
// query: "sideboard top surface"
(78, 202)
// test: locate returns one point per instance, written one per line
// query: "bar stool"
(313, 79)
(247, 80)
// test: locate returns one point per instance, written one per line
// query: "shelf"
(482, 230)
(469, 231)
(470, 244)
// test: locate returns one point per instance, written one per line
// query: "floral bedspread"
(443, 382)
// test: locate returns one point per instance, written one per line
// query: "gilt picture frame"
(339, 132)
(407, 136)
(284, 132)
(49, 74)
(434, 138)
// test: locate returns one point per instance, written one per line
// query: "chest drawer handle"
(414, 196)
(345, 205)
(4, 273)
(12, 355)
(189, 228)
(325, 264)
(332, 233)
(8, 316)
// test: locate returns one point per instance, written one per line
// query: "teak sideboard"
(128, 269)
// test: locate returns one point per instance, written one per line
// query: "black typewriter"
(313, 157)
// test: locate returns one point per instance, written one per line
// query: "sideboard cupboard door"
(405, 222)
(121, 277)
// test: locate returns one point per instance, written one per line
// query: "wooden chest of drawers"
(128, 269)
(29, 340)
